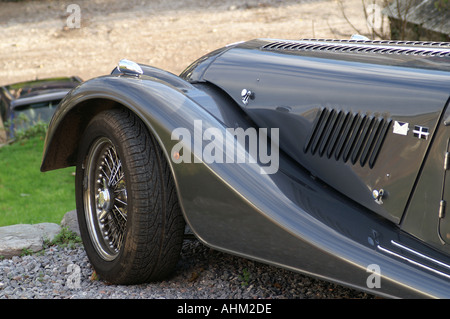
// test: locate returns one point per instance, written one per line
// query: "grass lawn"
(28, 196)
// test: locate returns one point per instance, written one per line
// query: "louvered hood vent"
(414, 48)
(347, 136)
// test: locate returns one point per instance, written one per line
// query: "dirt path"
(36, 42)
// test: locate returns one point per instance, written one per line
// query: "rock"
(16, 239)
(70, 221)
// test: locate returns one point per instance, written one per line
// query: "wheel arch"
(62, 141)
(81, 105)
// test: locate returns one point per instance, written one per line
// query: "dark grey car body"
(363, 155)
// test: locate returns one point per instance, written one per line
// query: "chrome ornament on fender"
(127, 67)
(246, 95)
(378, 196)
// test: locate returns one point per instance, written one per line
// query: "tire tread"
(156, 232)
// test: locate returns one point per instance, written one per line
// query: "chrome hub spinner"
(104, 200)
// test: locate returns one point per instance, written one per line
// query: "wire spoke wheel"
(128, 212)
(105, 199)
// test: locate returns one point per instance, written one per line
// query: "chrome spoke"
(112, 180)
(120, 201)
(121, 214)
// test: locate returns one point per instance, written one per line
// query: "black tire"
(130, 221)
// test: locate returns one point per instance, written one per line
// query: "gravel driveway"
(202, 273)
(35, 40)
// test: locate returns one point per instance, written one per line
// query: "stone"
(70, 221)
(20, 238)
(16, 239)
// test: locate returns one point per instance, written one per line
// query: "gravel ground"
(202, 273)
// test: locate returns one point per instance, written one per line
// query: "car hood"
(313, 91)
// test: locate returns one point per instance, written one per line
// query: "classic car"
(327, 157)
(25, 103)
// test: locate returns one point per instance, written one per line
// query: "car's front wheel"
(130, 222)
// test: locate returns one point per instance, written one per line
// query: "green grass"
(28, 196)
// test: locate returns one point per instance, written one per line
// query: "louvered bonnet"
(336, 104)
